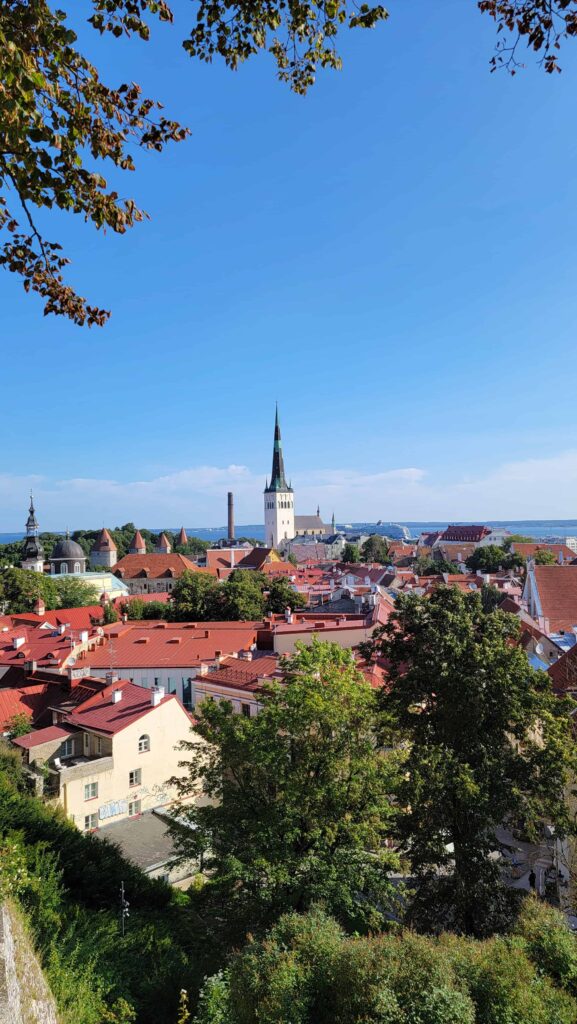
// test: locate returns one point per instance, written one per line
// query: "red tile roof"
(557, 589)
(40, 645)
(76, 618)
(137, 543)
(472, 534)
(530, 550)
(563, 672)
(51, 732)
(104, 541)
(24, 700)
(102, 715)
(154, 566)
(158, 645)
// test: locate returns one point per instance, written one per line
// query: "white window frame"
(91, 788)
(135, 777)
(90, 822)
(67, 748)
(144, 743)
(134, 808)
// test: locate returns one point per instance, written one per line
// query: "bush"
(308, 971)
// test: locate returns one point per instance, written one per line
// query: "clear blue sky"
(393, 257)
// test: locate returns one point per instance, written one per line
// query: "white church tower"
(279, 506)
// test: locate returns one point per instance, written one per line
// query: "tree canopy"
(63, 128)
(308, 971)
(487, 742)
(492, 558)
(375, 549)
(300, 805)
(351, 554)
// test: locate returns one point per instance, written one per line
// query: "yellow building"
(110, 758)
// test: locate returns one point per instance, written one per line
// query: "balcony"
(75, 768)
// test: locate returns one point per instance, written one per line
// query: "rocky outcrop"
(24, 995)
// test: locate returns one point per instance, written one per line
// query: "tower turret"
(279, 514)
(33, 553)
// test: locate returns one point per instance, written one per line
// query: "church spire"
(32, 522)
(278, 479)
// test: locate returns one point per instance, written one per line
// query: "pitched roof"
(76, 618)
(104, 541)
(563, 672)
(137, 542)
(154, 566)
(39, 736)
(163, 645)
(101, 714)
(182, 538)
(557, 589)
(256, 558)
(24, 700)
(530, 550)
(472, 534)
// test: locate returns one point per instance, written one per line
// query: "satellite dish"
(72, 661)
(100, 631)
(539, 648)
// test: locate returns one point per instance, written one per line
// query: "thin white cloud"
(532, 488)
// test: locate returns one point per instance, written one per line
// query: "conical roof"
(182, 538)
(104, 541)
(278, 480)
(137, 543)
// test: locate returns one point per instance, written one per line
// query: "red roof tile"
(557, 588)
(51, 732)
(24, 700)
(153, 566)
(101, 714)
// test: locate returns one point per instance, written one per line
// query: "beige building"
(110, 758)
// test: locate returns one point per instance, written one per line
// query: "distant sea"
(540, 529)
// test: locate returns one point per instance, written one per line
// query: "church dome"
(67, 548)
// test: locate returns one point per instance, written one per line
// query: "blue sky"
(392, 257)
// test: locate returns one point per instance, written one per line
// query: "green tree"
(110, 614)
(308, 971)
(20, 589)
(156, 610)
(426, 565)
(243, 596)
(74, 592)
(375, 549)
(300, 806)
(134, 608)
(19, 725)
(195, 597)
(54, 104)
(282, 595)
(486, 742)
(492, 558)
(516, 538)
(544, 557)
(350, 554)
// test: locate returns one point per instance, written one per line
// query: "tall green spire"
(278, 480)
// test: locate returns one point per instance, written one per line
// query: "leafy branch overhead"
(59, 121)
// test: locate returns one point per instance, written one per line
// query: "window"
(134, 807)
(143, 744)
(144, 681)
(245, 708)
(86, 743)
(90, 822)
(77, 567)
(98, 745)
(67, 748)
(135, 777)
(91, 791)
(63, 567)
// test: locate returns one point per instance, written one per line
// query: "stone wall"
(24, 995)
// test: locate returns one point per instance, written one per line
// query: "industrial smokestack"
(230, 515)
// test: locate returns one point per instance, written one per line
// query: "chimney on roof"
(288, 614)
(30, 666)
(230, 516)
(40, 607)
(17, 642)
(116, 696)
(62, 628)
(232, 558)
(156, 695)
(111, 678)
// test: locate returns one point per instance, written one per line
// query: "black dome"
(67, 548)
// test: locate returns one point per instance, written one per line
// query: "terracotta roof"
(104, 541)
(137, 542)
(182, 539)
(40, 645)
(472, 534)
(51, 732)
(530, 550)
(563, 672)
(255, 559)
(76, 618)
(24, 700)
(163, 596)
(236, 673)
(153, 566)
(158, 645)
(101, 714)
(557, 588)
